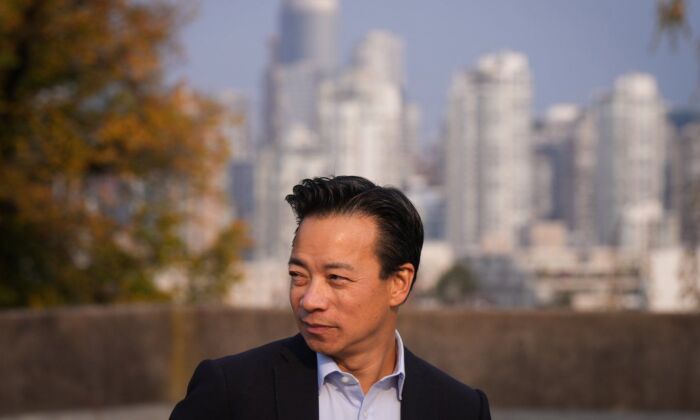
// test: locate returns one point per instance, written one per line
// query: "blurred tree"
(97, 154)
(457, 285)
(671, 19)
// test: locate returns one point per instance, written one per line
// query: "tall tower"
(553, 171)
(361, 112)
(489, 160)
(583, 155)
(630, 154)
(380, 54)
(683, 183)
(241, 167)
(308, 33)
(303, 55)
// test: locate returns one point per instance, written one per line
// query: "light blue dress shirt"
(340, 396)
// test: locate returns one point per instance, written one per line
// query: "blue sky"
(575, 47)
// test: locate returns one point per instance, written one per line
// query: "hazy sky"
(575, 47)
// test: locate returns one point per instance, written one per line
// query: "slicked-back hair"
(399, 227)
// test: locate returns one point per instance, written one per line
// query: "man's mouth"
(315, 328)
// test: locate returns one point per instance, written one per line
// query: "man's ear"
(401, 281)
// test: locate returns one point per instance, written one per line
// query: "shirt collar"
(326, 366)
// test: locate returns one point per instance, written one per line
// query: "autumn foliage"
(97, 155)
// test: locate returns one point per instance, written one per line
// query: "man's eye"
(296, 277)
(336, 277)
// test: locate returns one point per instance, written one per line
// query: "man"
(353, 263)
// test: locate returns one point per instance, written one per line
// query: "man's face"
(342, 306)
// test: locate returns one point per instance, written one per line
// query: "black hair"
(399, 226)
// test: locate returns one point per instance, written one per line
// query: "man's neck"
(372, 365)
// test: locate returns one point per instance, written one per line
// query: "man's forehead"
(336, 230)
(349, 218)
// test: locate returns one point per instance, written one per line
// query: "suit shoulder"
(221, 388)
(447, 388)
(440, 378)
(262, 356)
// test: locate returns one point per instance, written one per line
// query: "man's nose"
(315, 296)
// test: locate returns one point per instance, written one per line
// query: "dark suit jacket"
(279, 381)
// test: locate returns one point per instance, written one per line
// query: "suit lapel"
(417, 395)
(296, 384)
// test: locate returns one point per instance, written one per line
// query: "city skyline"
(568, 37)
(582, 190)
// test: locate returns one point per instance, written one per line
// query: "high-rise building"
(688, 188)
(489, 161)
(309, 33)
(682, 196)
(412, 125)
(294, 98)
(583, 154)
(235, 127)
(297, 157)
(380, 55)
(302, 56)
(553, 172)
(631, 152)
(320, 122)
(361, 112)
(674, 282)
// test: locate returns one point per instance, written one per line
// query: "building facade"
(361, 112)
(630, 160)
(489, 156)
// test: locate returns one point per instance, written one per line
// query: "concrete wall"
(95, 356)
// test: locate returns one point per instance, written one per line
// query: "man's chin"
(318, 344)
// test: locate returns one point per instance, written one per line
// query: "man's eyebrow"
(329, 266)
(342, 265)
(296, 261)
